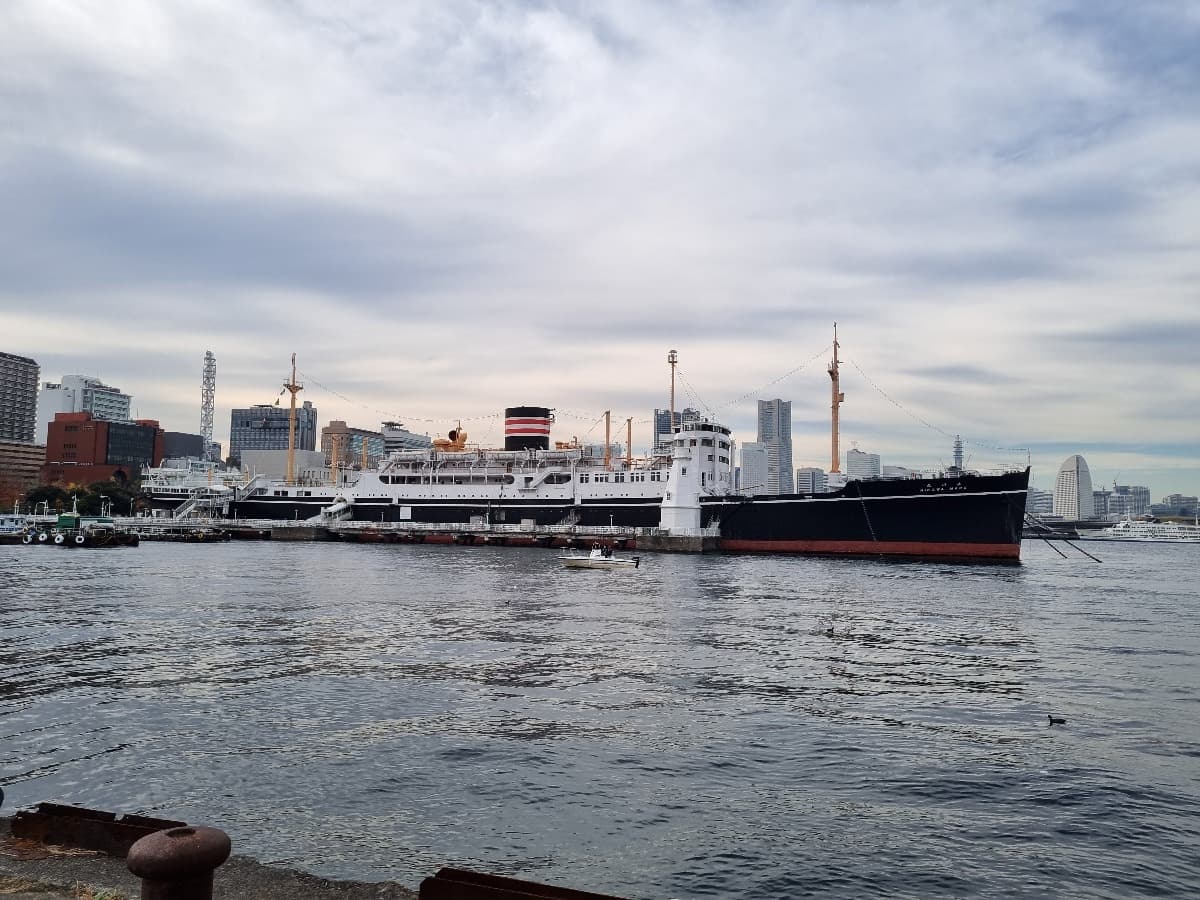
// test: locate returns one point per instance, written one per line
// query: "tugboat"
(74, 530)
(14, 528)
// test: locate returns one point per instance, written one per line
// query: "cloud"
(454, 206)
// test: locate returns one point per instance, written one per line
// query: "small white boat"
(599, 558)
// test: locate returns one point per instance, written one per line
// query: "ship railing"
(255, 483)
(710, 531)
(184, 509)
(482, 528)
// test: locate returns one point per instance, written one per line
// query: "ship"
(686, 488)
(170, 487)
(1150, 530)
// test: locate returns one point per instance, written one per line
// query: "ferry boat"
(687, 489)
(1150, 530)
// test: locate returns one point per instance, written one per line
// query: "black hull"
(970, 517)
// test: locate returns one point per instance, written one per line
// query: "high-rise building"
(752, 477)
(1175, 505)
(775, 431)
(862, 465)
(18, 399)
(1039, 502)
(350, 443)
(181, 445)
(811, 480)
(662, 423)
(266, 427)
(1073, 490)
(1129, 500)
(80, 393)
(397, 437)
(19, 466)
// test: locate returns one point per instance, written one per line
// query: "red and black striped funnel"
(527, 428)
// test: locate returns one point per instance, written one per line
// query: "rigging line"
(1055, 549)
(691, 393)
(896, 403)
(808, 362)
(391, 413)
(983, 445)
(593, 425)
(1081, 550)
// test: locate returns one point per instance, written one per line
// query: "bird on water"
(1055, 721)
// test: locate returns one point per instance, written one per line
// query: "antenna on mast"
(672, 359)
(838, 397)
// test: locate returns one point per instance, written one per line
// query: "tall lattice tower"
(208, 396)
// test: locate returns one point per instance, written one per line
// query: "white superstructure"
(182, 482)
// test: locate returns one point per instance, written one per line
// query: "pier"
(568, 537)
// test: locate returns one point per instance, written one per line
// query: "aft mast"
(838, 397)
(293, 388)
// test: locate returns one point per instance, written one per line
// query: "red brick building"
(83, 450)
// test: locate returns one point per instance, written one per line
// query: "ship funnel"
(527, 428)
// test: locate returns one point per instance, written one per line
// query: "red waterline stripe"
(871, 548)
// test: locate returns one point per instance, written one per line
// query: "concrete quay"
(34, 872)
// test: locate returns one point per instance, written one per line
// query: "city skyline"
(1050, 481)
(445, 210)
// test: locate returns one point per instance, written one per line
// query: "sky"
(446, 208)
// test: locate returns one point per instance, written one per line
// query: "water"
(745, 727)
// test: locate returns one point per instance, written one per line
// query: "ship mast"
(838, 397)
(293, 388)
(672, 358)
(608, 439)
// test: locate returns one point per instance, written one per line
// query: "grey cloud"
(73, 226)
(439, 190)
(1162, 342)
(962, 374)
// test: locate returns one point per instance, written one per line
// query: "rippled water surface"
(703, 727)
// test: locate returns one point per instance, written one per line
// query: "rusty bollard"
(178, 864)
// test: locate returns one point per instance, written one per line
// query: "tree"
(55, 497)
